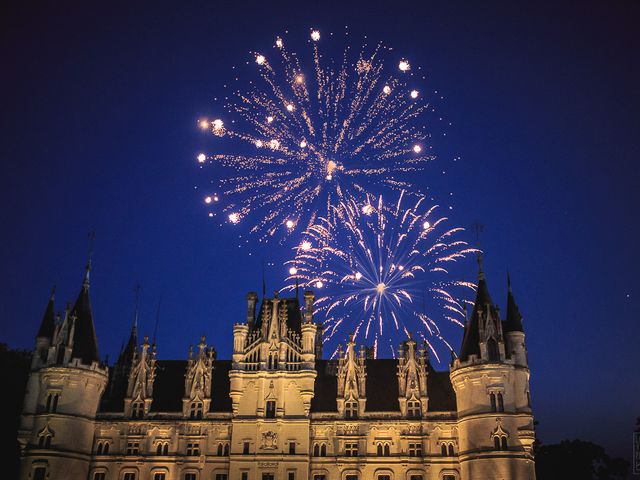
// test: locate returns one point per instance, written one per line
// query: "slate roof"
(85, 344)
(513, 323)
(471, 338)
(48, 324)
(382, 388)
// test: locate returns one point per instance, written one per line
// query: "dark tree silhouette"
(578, 459)
(14, 370)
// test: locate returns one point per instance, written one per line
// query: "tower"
(65, 385)
(271, 386)
(491, 382)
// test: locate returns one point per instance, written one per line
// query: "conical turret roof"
(85, 344)
(48, 324)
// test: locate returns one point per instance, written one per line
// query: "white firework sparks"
(319, 134)
(373, 269)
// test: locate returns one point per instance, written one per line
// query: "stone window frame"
(103, 446)
(196, 410)
(193, 448)
(417, 447)
(383, 448)
(162, 447)
(496, 398)
(351, 446)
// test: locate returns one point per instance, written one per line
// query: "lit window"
(351, 409)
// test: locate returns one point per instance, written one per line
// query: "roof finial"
(480, 269)
(478, 228)
(87, 272)
(509, 282)
(52, 297)
(136, 290)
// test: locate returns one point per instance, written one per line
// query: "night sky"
(99, 104)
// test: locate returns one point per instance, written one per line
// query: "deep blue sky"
(98, 109)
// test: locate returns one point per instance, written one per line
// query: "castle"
(277, 410)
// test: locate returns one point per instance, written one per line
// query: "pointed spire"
(85, 344)
(483, 306)
(48, 324)
(513, 323)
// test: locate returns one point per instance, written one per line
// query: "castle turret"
(495, 421)
(65, 387)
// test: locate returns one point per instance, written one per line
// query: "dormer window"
(195, 412)
(137, 409)
(413, 409)
(351, 409)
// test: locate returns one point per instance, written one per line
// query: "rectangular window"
(193, 449)
(189, 476)
(129, 476)
(384, 477)
(133, 448)
(271, 409)
(292, 448)
(319, 477)
(245, 448)
(416, 477)
(291, 476)
(351, 449)
(221, 476)
(415, 449)
(268, 476)
(99, 476)
(351, 477)
(159, 476)
(449, 477)
(245, 475)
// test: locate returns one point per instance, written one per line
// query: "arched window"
(492, 350)
(387, 451)
(44, 441)
(379, 452)
(500, 403)
(226, 449)
(316, 450)
(443, 448)
(99, 449)
(503, 443)
(496, 442)
(52, 402)
(196, 410)
(270, 411)
(323, 450)
(163, 448)
(413, 409)
(219, 449)
(492, 398)
(105, 449)
(351, 409)
(450, 449)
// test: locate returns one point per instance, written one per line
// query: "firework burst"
(307, 138)
(373, 266)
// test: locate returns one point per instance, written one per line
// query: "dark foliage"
(578, 459)
(14, 370)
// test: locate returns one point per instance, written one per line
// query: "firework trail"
(372, 265)
(305, 139)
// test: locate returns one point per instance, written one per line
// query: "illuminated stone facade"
(277, 410)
